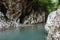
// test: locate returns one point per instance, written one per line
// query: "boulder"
(52, 25)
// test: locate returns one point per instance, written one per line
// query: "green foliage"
(43, 1)
(53, 5)
(50, 4)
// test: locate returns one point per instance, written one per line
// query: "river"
(35, 32)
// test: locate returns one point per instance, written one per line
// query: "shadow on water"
(35, 32)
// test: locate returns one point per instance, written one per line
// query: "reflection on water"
(36, 32)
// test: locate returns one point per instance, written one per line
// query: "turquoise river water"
(35, 32)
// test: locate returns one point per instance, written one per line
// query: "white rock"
(51, 16)
(53, 24)
(1, 14)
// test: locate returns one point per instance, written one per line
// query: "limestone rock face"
(53, 25)
(23, 10)
(9, 24)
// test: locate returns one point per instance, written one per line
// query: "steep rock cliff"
(23, 10)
